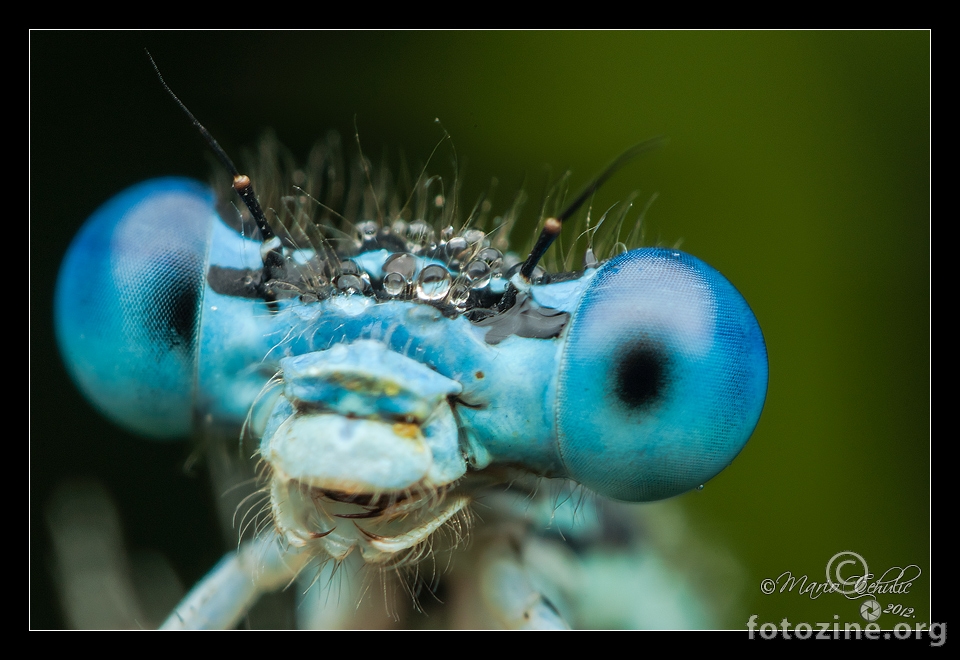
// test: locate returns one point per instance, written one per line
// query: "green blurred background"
(798, 165)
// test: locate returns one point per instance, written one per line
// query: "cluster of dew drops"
(470, 263)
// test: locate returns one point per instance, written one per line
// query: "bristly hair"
(341, 206)
(329, 213)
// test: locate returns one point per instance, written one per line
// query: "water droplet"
(474, 236)
(420, 232)
(403, 263)
(394, 284)
(350, 284)
(433, 283)
(459, 294)
(367, 229)
(455, 246)
(510, 259)
(477, 273)
(590, 259)
(400, 227)
(492, 257)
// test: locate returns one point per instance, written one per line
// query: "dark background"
(798, 165)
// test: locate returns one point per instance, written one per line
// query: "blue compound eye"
(128, 300)
(662, 379)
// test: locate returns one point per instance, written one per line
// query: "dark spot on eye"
(172, 306)
(479, 375)
(641, 375)
(185, 303)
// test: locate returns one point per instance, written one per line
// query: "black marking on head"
(248, 283)
(236, 282)
(566, 276)
(641, 376)
(524, 319)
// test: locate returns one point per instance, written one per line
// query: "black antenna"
(241, 182)
(552, 226)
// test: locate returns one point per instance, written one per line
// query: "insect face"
(393, 364)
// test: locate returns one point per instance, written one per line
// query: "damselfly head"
(394, 356)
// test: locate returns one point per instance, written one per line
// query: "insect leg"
(510, 592)
(226, 593)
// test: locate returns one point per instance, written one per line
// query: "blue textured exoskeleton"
(394, 377)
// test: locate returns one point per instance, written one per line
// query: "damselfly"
(408, 383)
